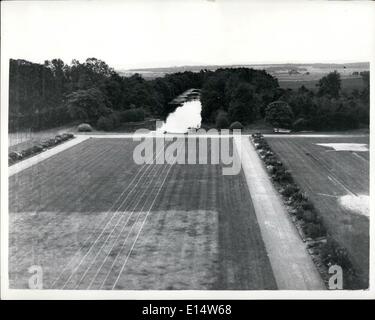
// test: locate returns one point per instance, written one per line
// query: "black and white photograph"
(159, 149)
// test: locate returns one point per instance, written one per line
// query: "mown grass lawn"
(93, 219)
(326, 175)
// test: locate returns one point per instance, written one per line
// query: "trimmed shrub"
(51, 142)
(272, 161)
(332, 253)
(236, 125)
(282, 176)
(314, 230)
(67, 136)
(27, 152)
(287, 177)
(289, 190)
(262, 144)
(84, 127)
(270, 169)
(299, 212)
(15, 155)
(267, 155)
(299, 197)
(307, 205)
(37, 149)
(222, 121)
(46, 143)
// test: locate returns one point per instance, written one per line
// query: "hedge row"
(38, 148)
(302, 208)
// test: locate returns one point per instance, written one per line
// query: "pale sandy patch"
(357, 204)
(357, 147)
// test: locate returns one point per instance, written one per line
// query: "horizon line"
(242, 64)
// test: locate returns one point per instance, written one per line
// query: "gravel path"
(291, 264)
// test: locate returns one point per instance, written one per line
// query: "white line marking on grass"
(338, 183)
(107, 214)
(360, 157)
(118, 222)
(124, 242)
(114, 228)
(123, 245)
(116, 213)
(127, 257)
(113, 215)
(331, 174)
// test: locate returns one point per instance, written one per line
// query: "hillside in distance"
(284, 72)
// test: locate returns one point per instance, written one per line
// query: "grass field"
(347, 84)
(93, 219)
(326, 175)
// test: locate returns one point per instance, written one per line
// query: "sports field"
(93, 219)
(334, 172)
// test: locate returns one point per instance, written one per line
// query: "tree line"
(238, 94)
(54, 93)
(245, 95)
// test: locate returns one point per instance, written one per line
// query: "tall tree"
(330, 85)
(243, 105)
(279, 114)
(87, 105)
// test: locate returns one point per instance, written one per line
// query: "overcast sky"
(131, 34)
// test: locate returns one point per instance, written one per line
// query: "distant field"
(94, 219)
(347, 84)
(327, 175)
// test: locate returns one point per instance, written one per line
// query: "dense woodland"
(54, 93)
(246, 95)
